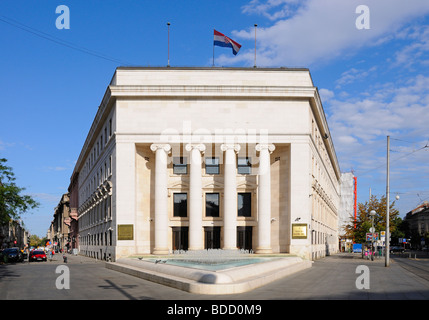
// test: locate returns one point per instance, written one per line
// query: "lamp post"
(372, 214)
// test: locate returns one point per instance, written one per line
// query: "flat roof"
(211, 68)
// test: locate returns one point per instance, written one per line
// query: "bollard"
(65, 259)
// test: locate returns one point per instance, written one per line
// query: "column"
(230, 196)
(161, 198)
(195, 197)
(264, 198)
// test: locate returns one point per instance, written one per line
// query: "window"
(244, 204)
(180, 238)
(244, 238)
(212, 204)
(180, 165)
(180, 205)
(212, 237)
(212, 165)
(244, 166)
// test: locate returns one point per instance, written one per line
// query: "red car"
(37, 255)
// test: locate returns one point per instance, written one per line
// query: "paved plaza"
(333, 277)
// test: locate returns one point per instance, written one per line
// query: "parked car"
(37, 255)
(396, 249)
(12, 255)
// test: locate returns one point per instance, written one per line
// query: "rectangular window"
(180, 165)
(180, 205)
(212, 165)
(212, 204)
(244, 238)
(244, 204)
(180, 238)
(212, 237)
(244, 166)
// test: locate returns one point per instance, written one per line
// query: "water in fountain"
(212, 256)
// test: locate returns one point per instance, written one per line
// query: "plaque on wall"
(125, 232)
(299, 231)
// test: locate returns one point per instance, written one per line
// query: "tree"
(12, 203)
(363, 219)
(34, 241)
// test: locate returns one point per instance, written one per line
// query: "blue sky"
(373, 82)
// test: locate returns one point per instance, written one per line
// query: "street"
(333, 277)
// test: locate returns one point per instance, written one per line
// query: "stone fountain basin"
(227, 281)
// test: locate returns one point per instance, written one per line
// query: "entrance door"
(180, 238)
(244, 238)
(212, 237)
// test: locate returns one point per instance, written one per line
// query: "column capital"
(199, 146)
(227, 146)
(260, 146)
(165, 146)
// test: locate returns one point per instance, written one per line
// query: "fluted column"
(230, 196)
(161, 198)
(264, 198)
(195, 197)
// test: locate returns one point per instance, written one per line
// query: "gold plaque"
(125, 232)
(299, 231)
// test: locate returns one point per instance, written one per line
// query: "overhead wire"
(59, 41)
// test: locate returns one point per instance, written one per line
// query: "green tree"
(363, 219)
(12, 203)
(34, 241)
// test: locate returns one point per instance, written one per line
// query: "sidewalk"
(72, 259)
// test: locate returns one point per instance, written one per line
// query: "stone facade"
(194, 158)
(59, 230)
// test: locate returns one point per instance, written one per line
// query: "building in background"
(73, 192)
(418, 225)
(13, 234)
(59, 230)
(347, 211)
(196, 158)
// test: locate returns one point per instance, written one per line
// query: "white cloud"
(287, 7)
(417, 52)
(4, 145)
(326, 94)
(320, 30)
(353, 75)
(359, 126)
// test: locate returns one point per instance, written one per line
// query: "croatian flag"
(222, 40)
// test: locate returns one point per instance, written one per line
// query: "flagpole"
(213, 52)
(254, 66)
(168, 26)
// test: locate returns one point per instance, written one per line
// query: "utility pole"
(387, 247)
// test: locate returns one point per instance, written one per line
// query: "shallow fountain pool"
(213, 266)
(210, 259)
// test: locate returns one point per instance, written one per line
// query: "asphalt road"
(333, 278)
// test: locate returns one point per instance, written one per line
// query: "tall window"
(244, 165)
(212, 165)
(180, 165)
(180, 204)
(244, 238)
(180, 238)
(244, 204)
(212, 204)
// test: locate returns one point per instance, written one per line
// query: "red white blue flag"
(222, 40)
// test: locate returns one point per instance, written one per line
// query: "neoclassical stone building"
(194, 158)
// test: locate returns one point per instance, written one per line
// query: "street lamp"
(372, 214)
